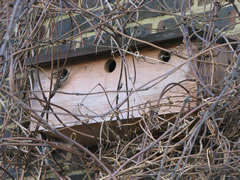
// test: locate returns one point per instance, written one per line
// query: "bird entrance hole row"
(111, 64)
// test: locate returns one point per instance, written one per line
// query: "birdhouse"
(90, 89)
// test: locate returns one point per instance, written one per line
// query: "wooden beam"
(93, 50)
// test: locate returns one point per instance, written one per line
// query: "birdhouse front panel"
(109, 88)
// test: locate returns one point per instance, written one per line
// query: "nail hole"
(110, 65)
(164, 56)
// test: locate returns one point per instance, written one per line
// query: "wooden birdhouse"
(95, 88)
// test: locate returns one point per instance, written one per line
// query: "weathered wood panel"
(91, 77)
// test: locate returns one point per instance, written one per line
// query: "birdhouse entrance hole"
(164, 56)
(110, 65)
